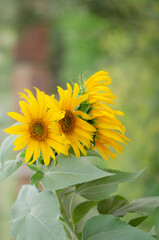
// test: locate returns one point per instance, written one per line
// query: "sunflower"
(74, 124)
(38, 129)
(110, 131)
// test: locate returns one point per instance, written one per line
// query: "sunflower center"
(38, 130)
(67, 123)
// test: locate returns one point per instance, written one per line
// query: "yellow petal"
(25, 109)
(75, 92)
(59, 147)
(46, 156)
(83, 115)
(75, 148)
(21, 142)
(80, 147)
(17, 129)
(29, 152)
(79, 100)
(101, 149)
(33, 103)
(41, 102)
(23, 95)
(36, 150)
(52, 116)
(18, 117)
(85, 125)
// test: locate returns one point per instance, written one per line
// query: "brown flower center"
(67, 123)
(38, 130)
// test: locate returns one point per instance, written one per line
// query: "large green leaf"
(108, 206)
(108, 227)
(6, 147)
(101, 188)
(35, 216)
(82, 209)
(143, 206)
(70, 171)
(8, 168)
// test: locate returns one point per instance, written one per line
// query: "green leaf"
(100, 189)
(66, 194)
(108, 206)
(6, 147)
(156, 220)
(70, 171)
(8, 168)
(143, 206)
(137, 221)
(36, 178)
(153, 233)
(156, 237)
(108, 227)
(35, 216)
(82, 209)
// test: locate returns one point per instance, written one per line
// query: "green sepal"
(92, 121)
(84, 107)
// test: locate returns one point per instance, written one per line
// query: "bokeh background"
(46, 43)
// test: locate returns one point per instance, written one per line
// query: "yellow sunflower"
(73, 125)
(110, 131)
(38, 129)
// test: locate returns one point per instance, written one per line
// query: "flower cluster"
(81, 119)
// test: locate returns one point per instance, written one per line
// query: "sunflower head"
(109, 130)
(74, 125)
(38, 129)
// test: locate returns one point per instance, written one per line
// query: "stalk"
(67, 223)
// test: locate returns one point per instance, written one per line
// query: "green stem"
(71, 212)
(65, 218)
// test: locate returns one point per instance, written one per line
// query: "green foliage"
(70, 171)
(119, 37)
(36, 178)
(6, 148)
(108, 206)
(101, 188)
(22, 154)
(82, 209)
(157, 221)
(8, 168)
(36, 215)
(137, 221)
(143, 206)
(108, 227)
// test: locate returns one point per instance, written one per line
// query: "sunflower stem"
(67, 223)
(71, 211)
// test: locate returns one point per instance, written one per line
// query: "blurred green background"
(85, 36)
